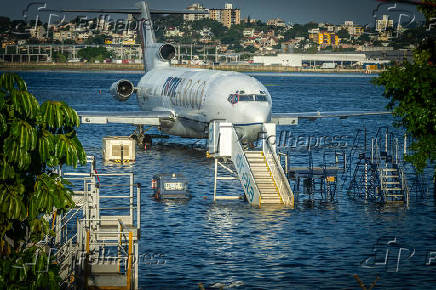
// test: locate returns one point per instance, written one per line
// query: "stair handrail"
(351, 154)
(378, 162)
(239, 151)
(278, 175)
(404, 185)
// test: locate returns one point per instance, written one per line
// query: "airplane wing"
(151, 118)
(293, 118)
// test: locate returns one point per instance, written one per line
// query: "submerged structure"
(97, 240)
(379, 171)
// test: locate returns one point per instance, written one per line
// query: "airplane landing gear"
(145, 140)
(140, 136)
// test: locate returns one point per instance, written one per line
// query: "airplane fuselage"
(199, 96)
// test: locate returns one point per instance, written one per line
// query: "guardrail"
(278, 174)
(244, 172)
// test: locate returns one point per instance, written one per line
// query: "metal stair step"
(394, 195)
(265, 174)
(271, 201)
(270, 195)
(263, 185)
(390, 176)
(266, 193)
(262, 177)
(257, 162)
(389, 169)
(267, 189)
(264, 170)
(391, 182)
(392, 188)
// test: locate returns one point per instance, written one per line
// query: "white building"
(192, 17)
(300, 59)
(384, 23)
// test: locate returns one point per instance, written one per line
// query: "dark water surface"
(233, 245)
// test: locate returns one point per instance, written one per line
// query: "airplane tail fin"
(146, 25)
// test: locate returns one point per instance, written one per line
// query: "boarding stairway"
(379, 174)
(263, 178)
(259, 171)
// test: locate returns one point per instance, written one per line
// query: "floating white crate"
(118, 148)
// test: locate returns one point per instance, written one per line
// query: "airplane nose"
(258, 114)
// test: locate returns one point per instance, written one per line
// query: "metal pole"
(136, 265)
(131, 195)
(386, 141)
(405, 144)
(372, 150)
(366, 181)
(138, 206)
(364, 131)
(216, 173)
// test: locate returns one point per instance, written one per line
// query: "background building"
(192, 17)
(384, 23)
(227, 16)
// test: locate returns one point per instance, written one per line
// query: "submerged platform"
(315, 171)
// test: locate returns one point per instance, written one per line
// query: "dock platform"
(97, 241)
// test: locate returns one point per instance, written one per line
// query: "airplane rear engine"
(122, 90)
(167, 52)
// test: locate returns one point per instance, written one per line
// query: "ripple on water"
(232, 245)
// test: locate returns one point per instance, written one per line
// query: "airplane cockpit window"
(261, 98)
(233, 99)
(246, 98)
(240, 97)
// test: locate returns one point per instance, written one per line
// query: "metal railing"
(81, 232)
(278, 174)
(245, 174)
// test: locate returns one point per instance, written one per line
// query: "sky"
(291, 11)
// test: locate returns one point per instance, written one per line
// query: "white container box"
(118, 148)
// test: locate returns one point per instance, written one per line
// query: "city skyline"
(335, 11)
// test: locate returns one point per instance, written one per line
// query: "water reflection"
(230, 242)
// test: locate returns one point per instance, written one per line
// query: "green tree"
(216, 27)
(343, 33)
(35, 140)
(4, 24)
(98, 39)
(233, 35)
(298, 31)
(59, 57)
(90, 53)
(364, 38)
(410, 89)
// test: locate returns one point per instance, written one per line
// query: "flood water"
(231, 244)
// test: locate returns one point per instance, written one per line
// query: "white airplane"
(183, 101)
